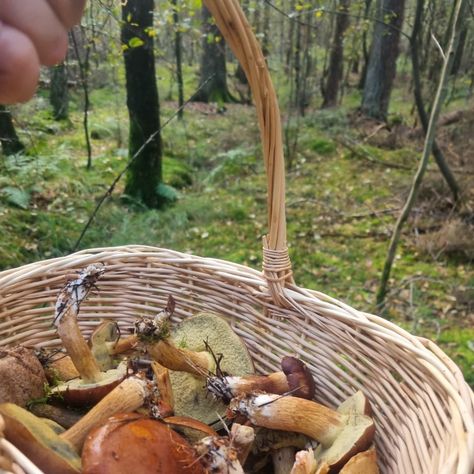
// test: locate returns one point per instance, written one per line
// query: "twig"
(440, 96)
(134, 157)
(362, 152)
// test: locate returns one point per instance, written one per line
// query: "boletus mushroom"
(294, 378)
(22, 377)
(184, 349)
(128, 441)
(58, 453)
(340, 434)
(93, 383)
(362, 463)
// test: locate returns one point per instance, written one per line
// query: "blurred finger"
(36, 19)
(69, 12)
(19, 66)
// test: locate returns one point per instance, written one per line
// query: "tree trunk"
(8, 138)
(336, 61)
(365, 49)
(58, 92)
(145, 172)
(213, 64)
(381, 69)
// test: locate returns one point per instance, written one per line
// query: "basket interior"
(418, 429)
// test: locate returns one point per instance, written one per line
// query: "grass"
(337, 233)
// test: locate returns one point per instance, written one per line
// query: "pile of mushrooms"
(168, 398)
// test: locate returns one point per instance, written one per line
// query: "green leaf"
(136, 42)
(16, 196)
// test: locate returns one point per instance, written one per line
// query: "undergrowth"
(341, 208)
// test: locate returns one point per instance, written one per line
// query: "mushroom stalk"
(175, 358)
(243, 438)
(67, 309)
(126, 397)
(76, 346)
(163, 383)
(290, 414)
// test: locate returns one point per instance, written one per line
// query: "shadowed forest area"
(146, 134)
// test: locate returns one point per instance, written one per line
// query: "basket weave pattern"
(423, 408)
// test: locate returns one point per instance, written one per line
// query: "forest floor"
(346, 183)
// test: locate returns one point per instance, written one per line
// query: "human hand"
(32, 32)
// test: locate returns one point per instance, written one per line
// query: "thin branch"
(134, 157)
(438, 101)
(294, 17)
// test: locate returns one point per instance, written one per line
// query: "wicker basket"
(422, 405)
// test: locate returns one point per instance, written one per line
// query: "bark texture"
(213, 63)
(336, 61)
(145, 172)
(384, 52)
(11, 144)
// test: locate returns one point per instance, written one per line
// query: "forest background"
(146, 134)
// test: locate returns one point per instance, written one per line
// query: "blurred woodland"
(146, 134)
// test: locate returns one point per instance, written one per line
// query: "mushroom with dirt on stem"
(294, 378)
(192, 350)
(340, 434)
(94, 383)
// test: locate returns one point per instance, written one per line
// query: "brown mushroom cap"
(79, 393)
(362, 463)
(126, 442)
(299, 377)
(22, 377)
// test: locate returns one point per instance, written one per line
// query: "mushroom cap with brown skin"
(22, 377)
(78, 393)
(128, 441)
(57, 453)
(362, 463)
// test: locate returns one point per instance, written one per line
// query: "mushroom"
(243, 438)
(63, 416)
(22, 376)
(190, 364)
(362, 463)
(127, 441)
(218, 454)
(294, 378)
(340, 434)
(94, 383)
(304, 462)
(59, 453)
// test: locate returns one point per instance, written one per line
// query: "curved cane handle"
(239, 36)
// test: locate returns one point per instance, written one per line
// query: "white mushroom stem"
(305, 463)
(175, 358)
(217, 455)
(126, 397)
(243, 438)
(76, 346)
(292, 414)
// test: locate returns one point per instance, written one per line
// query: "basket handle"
(238, 34)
